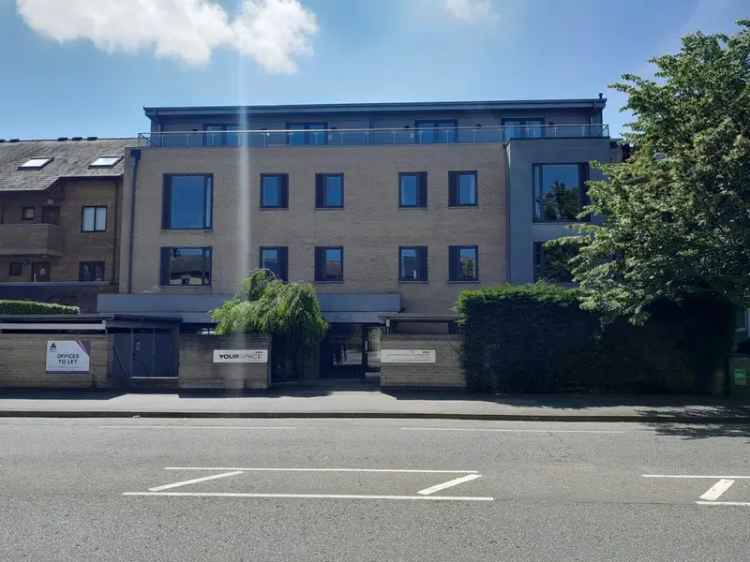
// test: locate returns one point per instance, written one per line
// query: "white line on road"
(504, 430)
(196, 427)
(402, 470)
(310, 496)
(697, 476)
(742, 504)
(715, 491)
(449, 484)
(194, 481)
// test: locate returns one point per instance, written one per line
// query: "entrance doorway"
(347, 352)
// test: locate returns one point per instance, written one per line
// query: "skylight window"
(105, 161)
(35, 164)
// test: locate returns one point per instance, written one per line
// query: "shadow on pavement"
(72, 394)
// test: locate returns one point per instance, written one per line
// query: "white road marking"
(395, 470)
(507, 430)
(250, 427)
(741, 504)
(194, 481)
(310, 496)
(448, 484)
(697, 476)
(715, 491)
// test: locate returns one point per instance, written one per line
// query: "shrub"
(32, 307)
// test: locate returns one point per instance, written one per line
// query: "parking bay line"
(194, 481)
(737, 504)
(310, 496)
(234, 427)
(449, 484)
(265, 469)
(510, 430)
(696, 476)
(715, 491)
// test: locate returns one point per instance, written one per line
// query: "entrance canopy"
(358, 308)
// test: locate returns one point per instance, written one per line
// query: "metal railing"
(365, 137)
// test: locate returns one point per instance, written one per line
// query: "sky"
(88, 67)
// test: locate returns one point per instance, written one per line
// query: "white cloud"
(271, 32)
(470, 11)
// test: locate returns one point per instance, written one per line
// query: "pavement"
(374, 403)
(371, 490)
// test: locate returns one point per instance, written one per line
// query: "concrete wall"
(445, 372)
(198, 371)
(23, 360)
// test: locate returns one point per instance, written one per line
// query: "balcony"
(369, 137)
(35, 239)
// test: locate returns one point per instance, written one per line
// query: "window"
(91, 271)
(187, 201)
(307, 133)
(329, 191)
(431, 132)
(274, 191)
(463, 189)
(523, 128)
(51, 214)
(35, 164)
(464, 263)
(28, 213)
(559, 191)
(40, 271)
(94, 219)
(551, 263)
(274, 258)
(412, 189)
(15, 269)
(412, 263)
(220, 135)
(329, 264)
(186, 266)
(105, 161)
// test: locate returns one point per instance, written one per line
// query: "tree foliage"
(677, 213)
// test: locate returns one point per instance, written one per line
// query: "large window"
(329, 191)
(275, 259)
(412, 189)
(329, 263)
(463, 189)
(28, 213)
(552, 263)
(15, 269)
(40, 272)
(91, 271)
(93, 219)
(464, 263)
(412, 263)
(186, 266)
(220, 135)
(274, 191)
(188, 201)
(532, 128)
(307, 133)
(441, 131)
(559, 191)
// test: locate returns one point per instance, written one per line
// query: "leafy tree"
(677, 213)
(289, 312)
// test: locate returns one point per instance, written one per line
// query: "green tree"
(677, 213)
(289, 312)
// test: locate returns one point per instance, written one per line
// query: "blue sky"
(65, 74)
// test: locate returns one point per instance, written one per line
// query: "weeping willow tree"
(288, 312)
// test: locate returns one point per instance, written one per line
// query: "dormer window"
(105, 161)
(35, 164)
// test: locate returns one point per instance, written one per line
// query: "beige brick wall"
(371, 227)
(445, 372)
(23, 362)
(198, 371)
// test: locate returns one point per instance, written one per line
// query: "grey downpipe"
(136, 155)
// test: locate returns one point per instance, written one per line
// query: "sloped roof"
(71, 159)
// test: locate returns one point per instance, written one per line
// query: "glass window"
(552, 263)
(51, 214)
(186, 266)
(307, 133)
(273, 191)
(463, 189)
(329, 191)
(187, 201)
(274, 259)
(40, 272)
(94, 219)
(15, 269)
(464, 263)
(28, 213)
(559, 191)
(91, 271)
(412, 263)
(441, 131)
(35, 164)
(105, 161)
(523, 128)
(412, 189)
(329, 264)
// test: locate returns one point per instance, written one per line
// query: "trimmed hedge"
(32, 307)
(536, 338)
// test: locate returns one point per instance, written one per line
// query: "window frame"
(96, 208)
(524, 122)
(421, 190)
(454, 260)
(167, 199)
(164, 263)
(420, 125)
(422, 264)
(307, 132)
(45, 161)
(320, 190)
(33, 213)
(92, 264)
(35, 265)
(319, 253)
(116, 159)
(454, 191)
(583, 175)
(284, 191)
(13, 266)
(283, 256)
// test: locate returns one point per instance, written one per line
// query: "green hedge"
(535, 338)
(32, 307)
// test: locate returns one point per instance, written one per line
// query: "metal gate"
(144, 355)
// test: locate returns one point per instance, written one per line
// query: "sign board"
(740, 377)
(407, 356)
(240, 356)
(67, 356)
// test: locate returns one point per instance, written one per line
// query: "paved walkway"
(323, 402)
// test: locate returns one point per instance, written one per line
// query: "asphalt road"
(402, 490)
